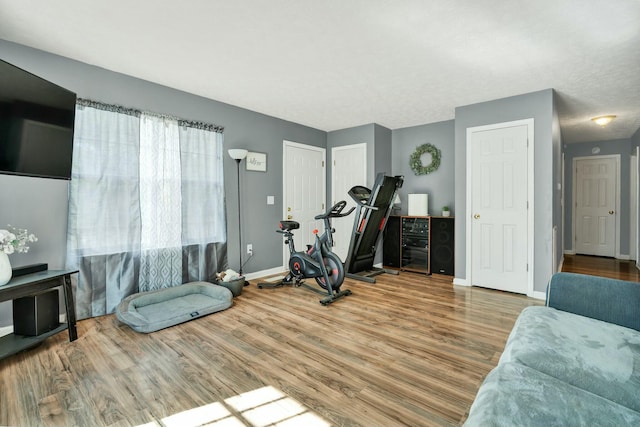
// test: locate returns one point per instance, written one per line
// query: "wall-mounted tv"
(36, 125)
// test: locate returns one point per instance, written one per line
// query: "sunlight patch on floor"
(266, 406)
(200, 416)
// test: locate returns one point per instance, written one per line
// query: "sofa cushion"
(516, 395)
(159, 309)
(602, 298)
(596, 356)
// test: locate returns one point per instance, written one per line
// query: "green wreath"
(415, 160)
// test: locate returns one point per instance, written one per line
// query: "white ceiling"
(335, 64)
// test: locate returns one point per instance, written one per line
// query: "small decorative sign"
(257, 162)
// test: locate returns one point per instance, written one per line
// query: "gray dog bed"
(151, 311)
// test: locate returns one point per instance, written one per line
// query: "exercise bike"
(318, 261)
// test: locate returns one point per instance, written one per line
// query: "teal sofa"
(573, 362)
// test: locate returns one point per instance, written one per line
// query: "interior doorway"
(500, 206)
(349, 168)
(596, 202)
(304, 188)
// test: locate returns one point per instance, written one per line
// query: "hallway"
(599, 266)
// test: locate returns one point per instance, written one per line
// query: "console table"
(31, 284)
(421, 244)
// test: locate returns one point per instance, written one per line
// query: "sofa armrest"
(610, 300)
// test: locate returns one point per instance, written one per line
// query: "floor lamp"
(238, 154)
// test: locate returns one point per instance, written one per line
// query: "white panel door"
(349, 169)
(499, 197)
(304, 189)
(595, 206)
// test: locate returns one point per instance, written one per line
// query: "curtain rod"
(83, 102)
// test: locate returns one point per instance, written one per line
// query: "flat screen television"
(36, 125)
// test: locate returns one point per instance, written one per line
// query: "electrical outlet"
(250, 249)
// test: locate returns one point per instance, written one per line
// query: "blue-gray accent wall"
(387, 151)
(541, 107)
(41, 204)
(439, 185)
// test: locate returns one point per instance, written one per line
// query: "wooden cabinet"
(411, 242)
(414, 249)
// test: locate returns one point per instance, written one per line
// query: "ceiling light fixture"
(603, 120)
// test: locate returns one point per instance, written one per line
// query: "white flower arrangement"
(15, 240)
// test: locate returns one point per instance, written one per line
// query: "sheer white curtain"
(160, 203)
(146, 207)
(104, 208)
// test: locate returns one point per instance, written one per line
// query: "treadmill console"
(360, 194)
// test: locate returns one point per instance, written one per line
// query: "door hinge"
(323, 206)
(323, 163)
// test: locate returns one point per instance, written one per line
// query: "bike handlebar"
(335, 211)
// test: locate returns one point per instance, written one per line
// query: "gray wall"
(635, 142)
(383, 150)
(540, 107)
(439, 185)
(43, 203)
(387, 151)
(635, 139)
(618, 146)
(556, 140)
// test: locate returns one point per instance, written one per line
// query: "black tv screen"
(36, 125)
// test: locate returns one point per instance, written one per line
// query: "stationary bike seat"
(289, 225)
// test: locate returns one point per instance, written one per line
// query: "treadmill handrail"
(359, 201)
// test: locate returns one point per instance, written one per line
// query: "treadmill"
(373, 208)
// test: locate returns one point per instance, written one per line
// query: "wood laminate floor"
(599, 266)
(409, 350)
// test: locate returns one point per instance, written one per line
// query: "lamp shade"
(238, 153)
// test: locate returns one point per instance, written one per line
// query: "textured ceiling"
(335, 64)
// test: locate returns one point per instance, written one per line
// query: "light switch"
(270, 200)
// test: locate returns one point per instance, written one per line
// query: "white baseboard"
(459, 281)
(463, 282)
(618, 256)
(263, 273)
(539, 295)
(6, 330)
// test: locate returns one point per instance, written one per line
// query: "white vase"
(446, 213)
(5, 269)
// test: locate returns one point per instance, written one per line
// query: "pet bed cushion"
(154, 310)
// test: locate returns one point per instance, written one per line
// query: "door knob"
(610, 212)
(476, 216)
(289, 217)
